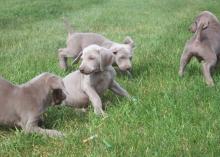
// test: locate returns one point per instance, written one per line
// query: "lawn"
(167, 116)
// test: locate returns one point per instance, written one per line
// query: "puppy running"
(94, 76)
(24, 105)
(76, 42)
(204, 45)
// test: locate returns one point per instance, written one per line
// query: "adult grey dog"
(95, 75)
(204, 45)
(23, 105)
(76, 42)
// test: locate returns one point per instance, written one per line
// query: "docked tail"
(68, 26)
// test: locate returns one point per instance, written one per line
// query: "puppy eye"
(91, 58)
(130, 58)
(115, 52)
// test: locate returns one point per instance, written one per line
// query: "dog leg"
(76, 58)
(117, 89)
(32, 127)
(63, 54)
(185, 58)
(210, 60)
(207, 66)
(95, 99)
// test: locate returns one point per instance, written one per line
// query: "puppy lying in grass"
(94, 76)
(23, 105)
(76, 42)
(204, 45)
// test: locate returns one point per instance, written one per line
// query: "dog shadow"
(55, 117)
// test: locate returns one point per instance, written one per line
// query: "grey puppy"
(23, 105)
(76, 42)
(95, 75)
(204, 45)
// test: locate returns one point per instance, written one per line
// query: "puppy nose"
(128, 68)
(81, 69)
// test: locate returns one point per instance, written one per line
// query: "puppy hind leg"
(63, 54)
(207, 66)
(184, 60)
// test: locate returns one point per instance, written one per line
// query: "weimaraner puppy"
(76, 42)
(23, 105)
(95, 75)
(204, 45)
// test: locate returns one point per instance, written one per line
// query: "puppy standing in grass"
(94, 76)
(204, 45)
(76, 42)
(24, 105)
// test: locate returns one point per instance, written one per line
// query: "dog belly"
(77, 101)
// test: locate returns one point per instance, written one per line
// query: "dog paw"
(180, 74)
(99, 112)
(210, 83)
(55, 133)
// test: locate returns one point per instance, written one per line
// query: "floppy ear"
(58, 96)
(193, 27)
(76, 60)
(129, 41)
(106, 58)
(51, 81)
(56, 82)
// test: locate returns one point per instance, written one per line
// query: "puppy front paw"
(55, 133)
(210, 83)
(180, 73)
(98, 111)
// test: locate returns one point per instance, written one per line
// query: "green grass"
(169, 117)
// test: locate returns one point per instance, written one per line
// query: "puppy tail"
(68, 26)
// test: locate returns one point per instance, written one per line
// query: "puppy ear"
(106, 58)
(193, 27)
(58, 96)
(129, 41)
(56, 82)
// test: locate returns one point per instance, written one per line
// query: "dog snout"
(125, 68)
(81, 69)
(128, 69)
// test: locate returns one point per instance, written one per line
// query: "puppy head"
(203, 19)
(123, 54)
(95, 59)
(57, 89)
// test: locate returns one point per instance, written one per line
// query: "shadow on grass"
(56, 116)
